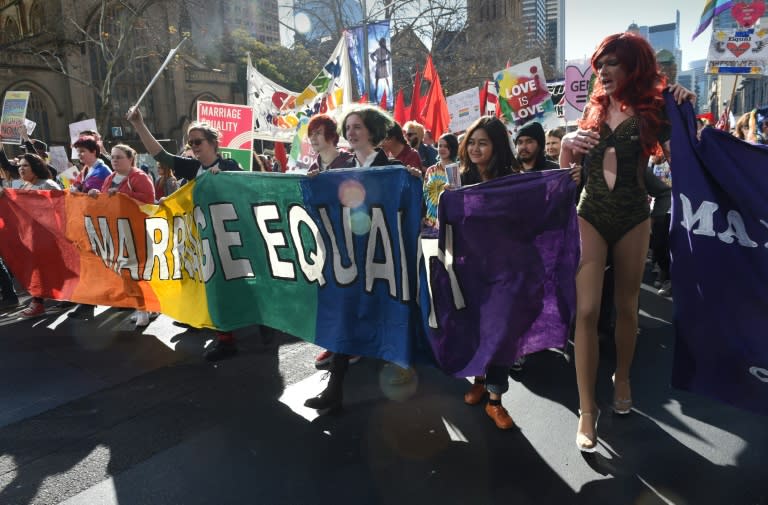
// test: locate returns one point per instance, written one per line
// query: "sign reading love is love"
(579, 78)
(523, 95)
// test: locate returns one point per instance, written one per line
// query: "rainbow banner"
(329, 259)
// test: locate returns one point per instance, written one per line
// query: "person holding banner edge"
(204, 141)
(36, 176)
(364, 127)
(622, 125)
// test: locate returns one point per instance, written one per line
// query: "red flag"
(281, 156)
(483, 97)
(383, 102)
(363, 99)
(435, 112)
(415, 113)
(400, 114)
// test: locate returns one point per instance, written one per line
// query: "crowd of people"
(618, 155)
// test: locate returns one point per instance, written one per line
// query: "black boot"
(331, 398)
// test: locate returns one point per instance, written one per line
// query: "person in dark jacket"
(397, 147)
(364, 128)
(530, 143)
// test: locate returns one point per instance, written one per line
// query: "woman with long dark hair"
(484, 155)
(623, 124)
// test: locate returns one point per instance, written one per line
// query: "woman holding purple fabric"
(484, 155)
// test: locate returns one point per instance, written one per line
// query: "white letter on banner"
(736, 229)
(156, 249)
(179, 238)
(272, 240)
(105, 248)
(375, 270)
(766, 225)
(233, 268)
(126, 249)
(446, 258)
(205, 256)
(703, 216)
(313, 270)
(344, 275)
(186, 247)
(406, 289)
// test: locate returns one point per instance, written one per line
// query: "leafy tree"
(293, 67)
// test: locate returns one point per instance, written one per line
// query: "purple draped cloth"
(514, 244)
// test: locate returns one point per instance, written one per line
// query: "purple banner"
(502, 271)
(719, 244)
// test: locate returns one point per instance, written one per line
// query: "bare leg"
(629, 255)
(589, 283)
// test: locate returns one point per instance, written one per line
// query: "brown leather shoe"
(475, 394)
(500, 416)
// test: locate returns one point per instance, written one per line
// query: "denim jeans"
(497, 379)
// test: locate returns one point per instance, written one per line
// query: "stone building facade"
(31, 27)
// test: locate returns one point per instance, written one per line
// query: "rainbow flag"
(712, 8)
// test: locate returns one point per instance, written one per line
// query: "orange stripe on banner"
(109, 232)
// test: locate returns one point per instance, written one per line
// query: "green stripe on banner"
(257, 276)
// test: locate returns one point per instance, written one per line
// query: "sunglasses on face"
(196, 142)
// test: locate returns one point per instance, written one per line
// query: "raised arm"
(151, 144)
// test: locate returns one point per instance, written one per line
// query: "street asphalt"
(94, 412)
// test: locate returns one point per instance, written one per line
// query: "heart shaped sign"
(738, 49)
(577, 85)
(747, 14)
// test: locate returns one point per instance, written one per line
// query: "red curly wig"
(641, 90)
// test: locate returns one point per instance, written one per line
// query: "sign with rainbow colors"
(523, 95)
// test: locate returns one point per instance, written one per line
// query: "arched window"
(35, 18)
(203, 97)
(11, 30)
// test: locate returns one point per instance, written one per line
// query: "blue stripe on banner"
(370, 225)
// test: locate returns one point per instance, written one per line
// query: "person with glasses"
(414, 132)
(203, 139)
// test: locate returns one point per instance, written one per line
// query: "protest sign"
(578, 86)
(77, 127)
(464, 109)
(58, 158)
(738, 51)
(13, 116)
(524, 97)
(30, 126)
(235, 125)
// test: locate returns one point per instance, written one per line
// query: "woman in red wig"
(623, 124)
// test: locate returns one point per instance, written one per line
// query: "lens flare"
(351, 194)
(360, 222)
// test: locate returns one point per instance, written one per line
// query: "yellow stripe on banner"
(179, 281)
